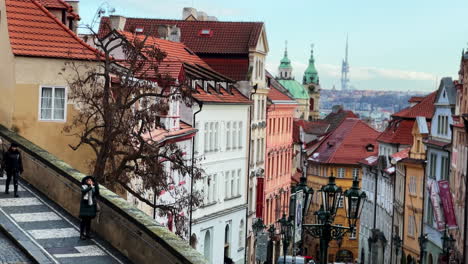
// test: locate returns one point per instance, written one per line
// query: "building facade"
(339, 155)
(414, 171)
(437, 168)
(459, 160)
(219, 224)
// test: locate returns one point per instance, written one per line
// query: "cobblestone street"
(10, 253)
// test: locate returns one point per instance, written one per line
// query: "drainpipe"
(375, 211)
(252, 108)
(393, 212)
(200, 104)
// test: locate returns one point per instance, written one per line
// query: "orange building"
(339, 154)
(279, 153)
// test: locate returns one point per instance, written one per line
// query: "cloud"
(372, 73)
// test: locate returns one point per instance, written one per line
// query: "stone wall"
(128, 229)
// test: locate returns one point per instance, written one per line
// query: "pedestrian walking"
(88, 205)
(13, 166)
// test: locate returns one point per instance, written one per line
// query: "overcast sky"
(393, 45)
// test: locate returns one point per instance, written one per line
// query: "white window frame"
(53, 102)
(341, 173)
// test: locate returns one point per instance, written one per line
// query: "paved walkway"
(48, 231)
(10, 252)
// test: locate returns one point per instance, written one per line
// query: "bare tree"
(120, 102)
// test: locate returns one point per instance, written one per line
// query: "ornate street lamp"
(331, 194)
(258, 226)
(422, 245)
(397, 242)
(448, 243)
(286, 233)
(354, 201)
(323, 227)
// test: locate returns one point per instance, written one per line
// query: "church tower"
(285, 68)
(312, 85)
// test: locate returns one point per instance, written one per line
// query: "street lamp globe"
(331, 194)
(354, 201)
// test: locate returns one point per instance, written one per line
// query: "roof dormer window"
(139, 30)
(206, 32)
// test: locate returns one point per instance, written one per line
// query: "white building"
(219, 225)
(437, 167)
(376, 218)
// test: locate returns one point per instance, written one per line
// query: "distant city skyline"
(392, 45)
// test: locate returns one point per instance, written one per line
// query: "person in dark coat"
(13, 165)
(88, 205)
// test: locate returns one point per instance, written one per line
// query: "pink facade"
(279, 156)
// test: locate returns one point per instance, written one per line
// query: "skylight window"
(206, 32)
(138, 30)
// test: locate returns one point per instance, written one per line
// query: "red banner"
(447, 204)
(260, 198)
(435, 199)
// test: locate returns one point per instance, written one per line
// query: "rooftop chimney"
(174, 33)
(163, 31)
(75, 4)
(117, 22)
(190, 13)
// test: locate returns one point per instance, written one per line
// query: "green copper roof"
(285, 61)
(311, 74)
(295, 88)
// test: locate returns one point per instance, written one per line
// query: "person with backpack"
(13, 166)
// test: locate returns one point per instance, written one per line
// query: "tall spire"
(346, 56)
(311, 74)
(285, 68)
(345, 69)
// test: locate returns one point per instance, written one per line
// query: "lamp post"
(422, 246)
(448, 243)
(258, 227)
(286, 230)
(397, 242)
(324, 228)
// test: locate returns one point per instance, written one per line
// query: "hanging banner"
(447, 204)
(298, 216)
(260, 198)
(435, 199)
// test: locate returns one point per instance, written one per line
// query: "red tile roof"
(416, 99)
(347, 144)
(424, 108)
(235, 68)
(403, 154)
(175, 51)
(275, 95)
(58, 4)
(35, 32)
(235, 97)
(398, 132)
(226, 37)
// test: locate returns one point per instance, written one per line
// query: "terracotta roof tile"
(403, 154)
(225, 37)
(423, 108)
(222, 97)
(175, 51)
(275, 95)
(398, 131)
(347, 144)
(34, 31)
(335, 119)
(235, 68)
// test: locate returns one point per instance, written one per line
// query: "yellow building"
(339, 155)
(33, 99)
(414, 167)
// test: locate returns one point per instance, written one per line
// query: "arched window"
(207, 245)
(311, 104)
(241, 234)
